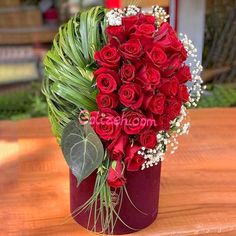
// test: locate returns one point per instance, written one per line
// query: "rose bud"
(183, 94)
(107, 80)
(108, 56)
(110, 100)
(157, 104)
(169, 87)
(115, 177)
(133, 122)
(104, 123)
(131, 50)
(117, 147)
(133, 160)
(127, 72)
(131, 95)
(148, 139)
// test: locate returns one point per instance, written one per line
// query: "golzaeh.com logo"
(84, 118)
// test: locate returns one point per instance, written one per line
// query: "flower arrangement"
(118, 84)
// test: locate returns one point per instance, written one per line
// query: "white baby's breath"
(114, 17)
(195, 88)
(131, 10)
(160, 14)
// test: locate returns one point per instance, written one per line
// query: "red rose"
(173, 108)
(106, 123)
(116, 35)
(107, 80)
(148, 139)
(162, 123)
(133, 160)
(107, 100)
(183, 94)
(144, 33)
(108, 56)
(131, 95)
(153, 77)
(117, 147)
(173, 45)
(164, 30)
(157, 103)
(132, 49)
(169, 86)
(133, 122)
(184, 74)
(127, 72)
(176, 45)
(172, 65)
(167, 38)
(157, 56)
(147, 29)
(148, 78)
(129, 22)
(147, 19)
(165, 35)
(115, 177)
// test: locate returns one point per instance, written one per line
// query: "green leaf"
(69, 82)
(82, 149)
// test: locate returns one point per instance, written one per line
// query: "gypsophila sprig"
(196, 88)
(131, 10)
(114, 17)
(166, 140)
(160, 14)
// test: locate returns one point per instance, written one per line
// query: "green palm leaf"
(69, 65)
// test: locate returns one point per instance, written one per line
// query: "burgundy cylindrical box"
(142, 187)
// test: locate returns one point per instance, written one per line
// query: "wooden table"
(198, 186)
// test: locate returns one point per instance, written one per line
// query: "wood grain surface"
(198, 185)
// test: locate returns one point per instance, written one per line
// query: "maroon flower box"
(143, 188)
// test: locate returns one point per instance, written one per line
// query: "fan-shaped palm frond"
(69, 65)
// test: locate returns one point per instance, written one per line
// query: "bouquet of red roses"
(135, 98)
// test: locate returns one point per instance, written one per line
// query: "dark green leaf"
(82, 149)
